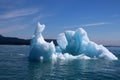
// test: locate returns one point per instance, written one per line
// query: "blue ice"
(71, 45)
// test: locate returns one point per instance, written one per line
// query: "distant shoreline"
(17, 41)
(110, 46)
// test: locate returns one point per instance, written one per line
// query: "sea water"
(14, 65)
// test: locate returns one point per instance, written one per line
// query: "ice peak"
(40, 28)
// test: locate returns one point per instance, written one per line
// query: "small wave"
(21, 54)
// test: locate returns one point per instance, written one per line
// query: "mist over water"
(14, 65)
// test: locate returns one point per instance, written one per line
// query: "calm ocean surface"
(14, 65)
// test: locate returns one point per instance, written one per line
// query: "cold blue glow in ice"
(71, 45)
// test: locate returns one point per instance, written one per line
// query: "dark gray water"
(14, 65)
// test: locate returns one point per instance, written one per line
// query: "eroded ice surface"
(77, 42)
(71, 45)
(40, 49)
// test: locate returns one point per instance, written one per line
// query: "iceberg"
(40, 49)
(71, 45)
(77, 42)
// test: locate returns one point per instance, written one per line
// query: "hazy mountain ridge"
(18, 41)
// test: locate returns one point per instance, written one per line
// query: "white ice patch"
(67, 56)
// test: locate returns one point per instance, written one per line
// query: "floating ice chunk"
(40, 49)
(79, 43)
(71, 45)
